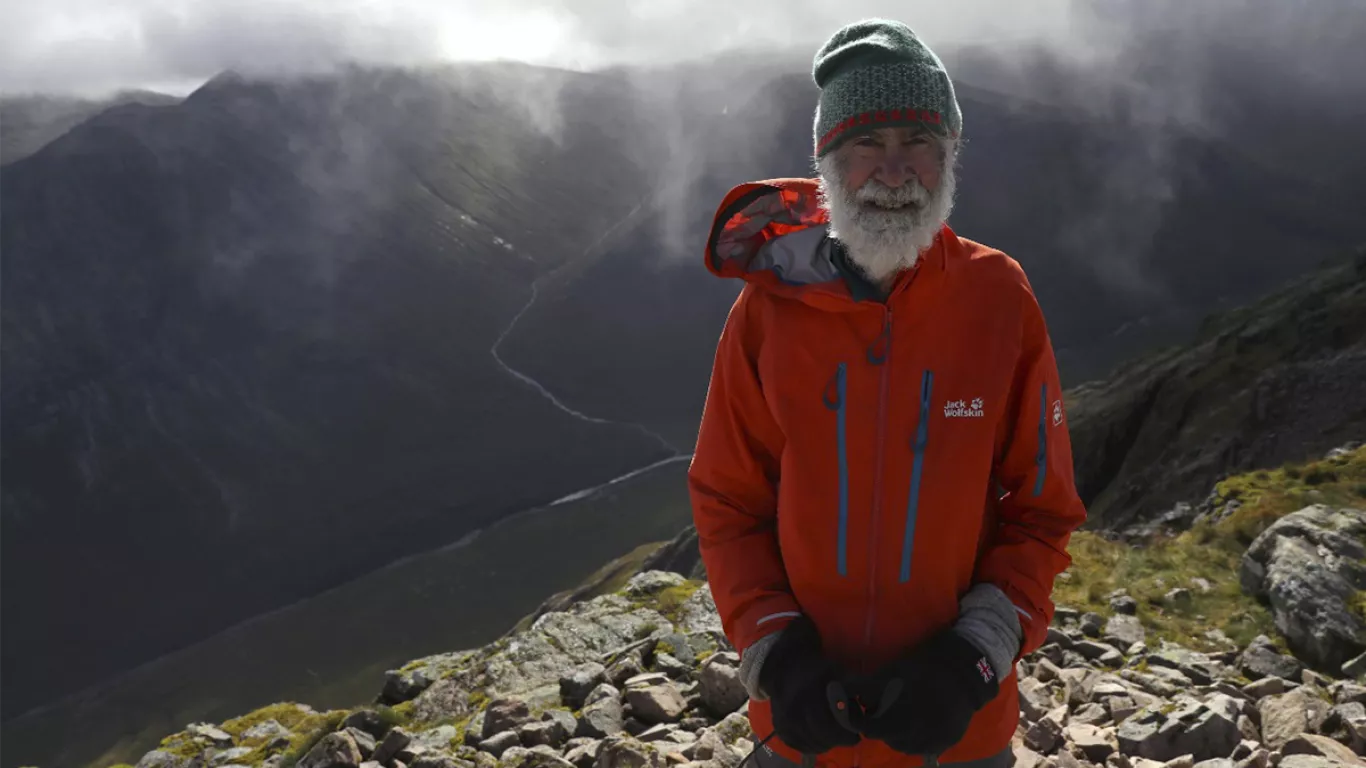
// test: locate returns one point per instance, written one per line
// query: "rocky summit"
(644, 678)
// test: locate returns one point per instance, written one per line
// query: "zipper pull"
(877, 351)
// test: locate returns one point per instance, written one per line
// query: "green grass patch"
(1212, 551)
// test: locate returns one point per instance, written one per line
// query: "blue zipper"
(922, 439)
(838, 405)
(1042, 459)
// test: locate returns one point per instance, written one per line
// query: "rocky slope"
(629, 673)
(644, 677)
(1275, 381)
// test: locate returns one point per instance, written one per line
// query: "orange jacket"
(866, 463)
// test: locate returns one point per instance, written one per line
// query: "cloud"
(94, 46)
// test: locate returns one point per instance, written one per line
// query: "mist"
(91, 47)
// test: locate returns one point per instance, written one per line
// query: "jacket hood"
(775, 235)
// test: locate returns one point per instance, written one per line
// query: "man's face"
(892, 157)
(888, 193)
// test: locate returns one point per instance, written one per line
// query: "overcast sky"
(93, 46)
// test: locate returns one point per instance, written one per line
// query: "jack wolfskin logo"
(984, 669)
(1057, 412)
(962, 409)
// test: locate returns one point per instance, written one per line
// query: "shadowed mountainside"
(247, 346)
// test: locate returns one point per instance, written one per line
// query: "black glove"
(794, 675)
(943, 683)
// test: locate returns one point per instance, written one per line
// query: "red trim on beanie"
(878, 116)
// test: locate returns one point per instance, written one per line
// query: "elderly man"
(882, 484)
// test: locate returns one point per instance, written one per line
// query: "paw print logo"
(977, 404)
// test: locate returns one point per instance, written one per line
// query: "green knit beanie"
(877, 74)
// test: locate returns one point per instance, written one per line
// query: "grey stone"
(1290, 714)
(625, 668)
(214, 735)
(1218, 762)
(1121, 707)
(1310, 761)
(1346, 692)
(500, 742)
(1314, 744)
(618, 752)
(603, 717)
(1046, 734)
(1248, 729)
(404, 686)
(267, 729)
(1094, 742)
(1091, 714)
(364, 742)
(1192, 728)
(230, 756)
(1125, 631)
(1347, 724)
(1092, 624)
(336, 750)
(1178, 597)
(671, 666)
(550, 733)
(395, 741)
(506, 714)
(1355, 667)
(579, 682)
(722, 691)
(1267, 686)
(1094, 651)
(1263, 660)
(1124, 605)
(1309, 565)
(1045, 670)
(660, 703)
(366, 720)
(583, 755)
(1036, 699)
(1025, 757)
(661, 732)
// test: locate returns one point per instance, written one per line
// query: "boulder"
(336, 750)
(1124, 631)
(1192, 728)
(506, 714)
(579, 682)
(1261, 659)
(1313, 744)
(658, 703)
(602, 716)
(627, 752)
(395, 741)
(1309, 565)
(722, 691)
(501, 742)
(1288, 715)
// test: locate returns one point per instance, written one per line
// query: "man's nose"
(895, 168)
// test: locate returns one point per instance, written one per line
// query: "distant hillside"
(247, 346)
(29, 122)
(1276, 381)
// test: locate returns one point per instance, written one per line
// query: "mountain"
(267, 313)
(1271, 382)
(34, 120)
(264, 340)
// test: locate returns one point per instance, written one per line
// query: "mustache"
(876, 193)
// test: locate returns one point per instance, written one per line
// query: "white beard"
(885, 229)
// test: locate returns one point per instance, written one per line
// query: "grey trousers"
(767, 758)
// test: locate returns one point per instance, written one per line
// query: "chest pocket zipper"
(835, 401)
(922, 441)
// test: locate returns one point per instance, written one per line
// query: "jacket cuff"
(988, 620)
(752, 661)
